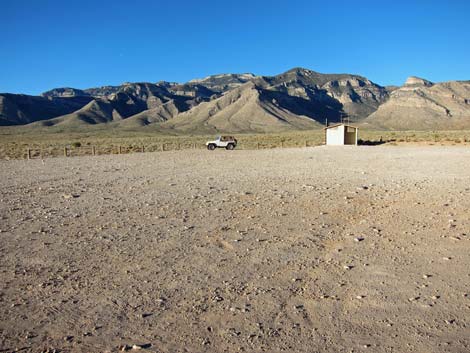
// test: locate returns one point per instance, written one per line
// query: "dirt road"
(355, 249)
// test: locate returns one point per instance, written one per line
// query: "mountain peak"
(300, 70)
(64, 92)
(245, 76)
(417, 81)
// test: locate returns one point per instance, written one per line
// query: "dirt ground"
(326, 249)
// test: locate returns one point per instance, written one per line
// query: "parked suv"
(227, 142)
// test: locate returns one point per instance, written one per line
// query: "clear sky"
(48, 43)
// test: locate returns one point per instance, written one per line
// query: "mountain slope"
(423, 105)
(243, 109)
(19, 109)
(145, 102)
(161, 113)
(351, 95)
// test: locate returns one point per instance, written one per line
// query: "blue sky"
(48, 43)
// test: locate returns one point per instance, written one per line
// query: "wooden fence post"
(120, 149)
(163, 147)
(65, 151)
(93, 152)
(29, 153)
(257, 145)
(306, 143)
(42, 154)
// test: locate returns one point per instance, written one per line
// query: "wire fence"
(95, 150)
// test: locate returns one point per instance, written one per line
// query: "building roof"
(335, 125)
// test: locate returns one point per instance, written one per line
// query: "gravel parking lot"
(326, 249)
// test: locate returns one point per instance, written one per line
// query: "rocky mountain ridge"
(296, 99)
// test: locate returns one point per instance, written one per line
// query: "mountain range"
(295, 100)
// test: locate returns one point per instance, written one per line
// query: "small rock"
(71, 196)
(358, 239)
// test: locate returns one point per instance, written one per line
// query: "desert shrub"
(76, 144)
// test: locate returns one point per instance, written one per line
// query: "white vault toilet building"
(341, 134)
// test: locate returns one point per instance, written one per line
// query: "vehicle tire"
(211, 147)
(230, 146)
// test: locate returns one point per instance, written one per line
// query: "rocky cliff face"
(421, 104)
(224, 82)
(65, 92)
(350, 95)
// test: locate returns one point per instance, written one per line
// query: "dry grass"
(14, 141)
